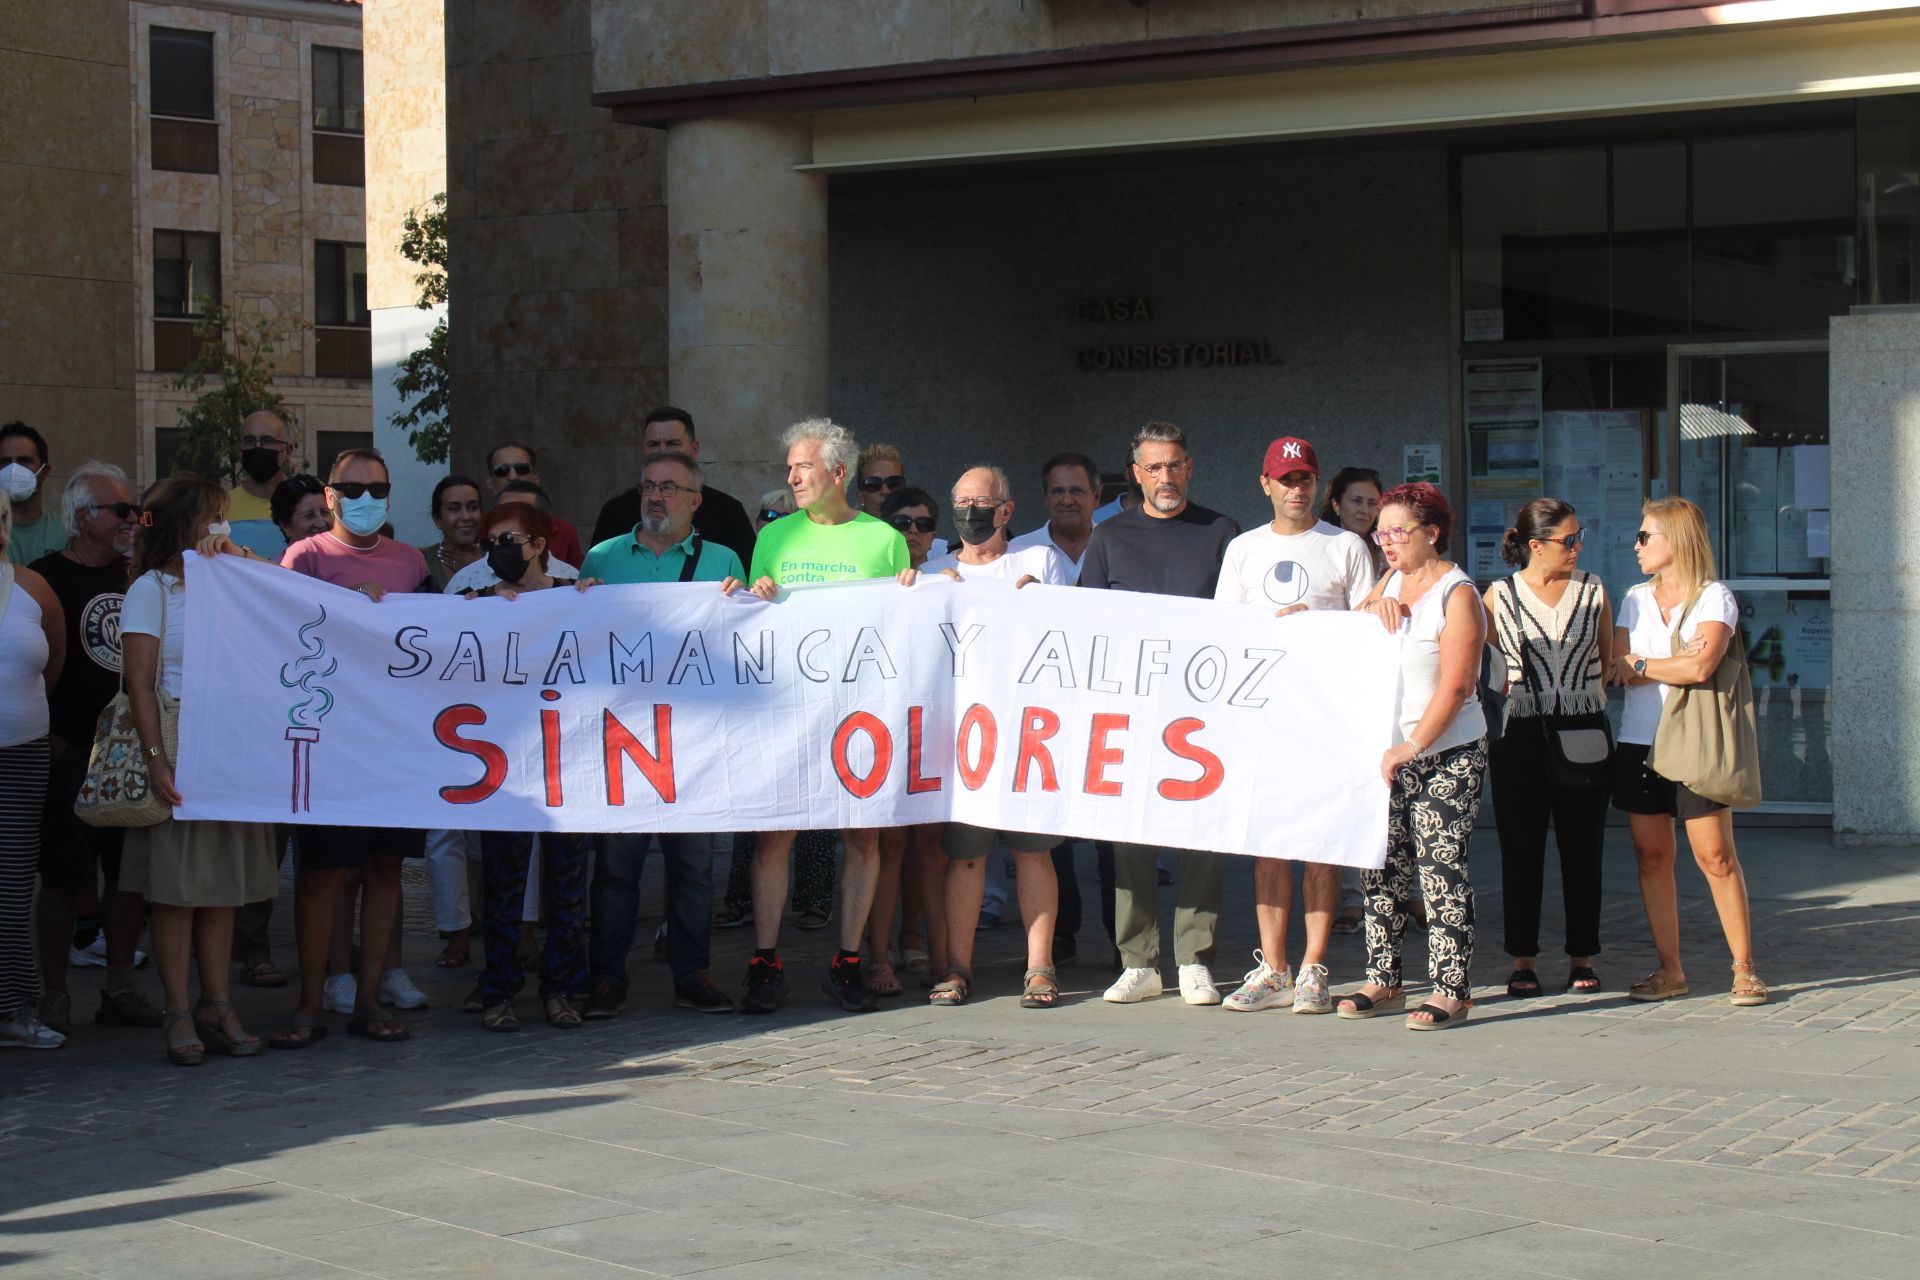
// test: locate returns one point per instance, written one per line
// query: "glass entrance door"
(1751, 449)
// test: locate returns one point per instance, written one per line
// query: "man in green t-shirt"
(824, 540)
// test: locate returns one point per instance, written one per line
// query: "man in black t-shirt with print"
(89, 575)
(1169, 546)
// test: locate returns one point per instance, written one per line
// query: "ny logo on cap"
(1291, 449)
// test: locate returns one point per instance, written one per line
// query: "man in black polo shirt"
(89, 575)
(1168, 546)
(719, 518)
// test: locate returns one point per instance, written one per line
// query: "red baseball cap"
(1289, 453)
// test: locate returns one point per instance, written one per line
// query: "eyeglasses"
(354, 489)
(1393, 533)
(121, 510)
(664, 488)
(262, 442)
(873, 484)
(1069, 491)
(916, 524)
(504, 540)
(505, 469)
(1641, 538)
(1570, 542)
(768, 515)
(978, 504)
(1158, 469)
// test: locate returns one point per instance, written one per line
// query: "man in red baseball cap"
(1296, 562)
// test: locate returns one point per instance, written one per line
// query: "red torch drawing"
(303, 717)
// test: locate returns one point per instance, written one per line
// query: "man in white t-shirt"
(1071, 486)
(1295, 563)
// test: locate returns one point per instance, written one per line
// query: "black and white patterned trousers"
(23, 790)
(1430, 815)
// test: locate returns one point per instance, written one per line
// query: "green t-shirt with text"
(794, 551)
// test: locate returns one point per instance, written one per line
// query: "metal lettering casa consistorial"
(1131, 356)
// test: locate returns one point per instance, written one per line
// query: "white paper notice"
(1819, 535)
(1813, 477)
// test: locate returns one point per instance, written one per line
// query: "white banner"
(1151, 719)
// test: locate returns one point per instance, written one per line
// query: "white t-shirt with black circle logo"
(1323, 568)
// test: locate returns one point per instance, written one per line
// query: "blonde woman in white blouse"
(1676, 554)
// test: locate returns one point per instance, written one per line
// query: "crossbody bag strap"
(693, 561)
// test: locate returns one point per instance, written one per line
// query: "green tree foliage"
(232, 373)
(423, 379)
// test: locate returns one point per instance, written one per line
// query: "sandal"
(1656, 986)
(262, 973)
(1748, 990)
(370, 1029)
(882, 980)
(914, 961)
(181, 1053)
(562, 1013)
(1523, 985)
(302, 1030)
(733, 917)
(814, 918)
(953, 990)
(1438, 1018)
(1042, 989)
(214, 1034)
(1365, 1006)
(499, 1017)
(1582, 980)
(455, 954)
(475, 1002)
(1348, 921)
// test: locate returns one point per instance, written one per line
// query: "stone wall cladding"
(558, 239)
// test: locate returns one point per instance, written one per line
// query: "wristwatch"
(1639, 666)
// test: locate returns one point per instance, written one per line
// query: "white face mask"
(219, 529)
(19, 481)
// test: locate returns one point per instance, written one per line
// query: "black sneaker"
(701, 995)
(846, 985)
(606, 1001)
(766, 986)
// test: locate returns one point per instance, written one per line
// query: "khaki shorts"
(964, 843)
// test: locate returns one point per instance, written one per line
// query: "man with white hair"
(825, 540)
(89, 577)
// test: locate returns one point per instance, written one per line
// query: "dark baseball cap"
(1289, 453)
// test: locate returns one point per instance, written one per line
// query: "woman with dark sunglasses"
(1553, 622)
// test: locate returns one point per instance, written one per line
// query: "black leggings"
(1525, 797)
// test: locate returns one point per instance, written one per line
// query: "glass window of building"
(186, 285)
(181, 100)
(343, 341)
(339, 150)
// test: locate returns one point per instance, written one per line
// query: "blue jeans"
(617, 863)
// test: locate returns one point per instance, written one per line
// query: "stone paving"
(1584, 1137)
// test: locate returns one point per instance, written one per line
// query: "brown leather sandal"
(1748, 990)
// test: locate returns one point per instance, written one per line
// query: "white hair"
(1002, 487)
(79, 491)
(838, 448)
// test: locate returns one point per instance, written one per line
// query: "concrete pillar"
(746, 290)
(1874, 407)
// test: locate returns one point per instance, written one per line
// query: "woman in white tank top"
(1435, 766)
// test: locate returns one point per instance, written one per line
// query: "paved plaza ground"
(1588, 1138)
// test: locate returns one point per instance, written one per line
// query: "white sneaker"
(1133, 986)
(1310, 994)
(338, 993)
(1196, 985)
(24, 1031)
(397, 989)
(94, 955)
(1264, 987)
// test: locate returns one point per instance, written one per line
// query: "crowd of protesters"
(1509, 682)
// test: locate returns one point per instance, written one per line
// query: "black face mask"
(261, 465)
(507, 563)
(975, 524)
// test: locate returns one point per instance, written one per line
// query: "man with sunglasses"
(718, 518)
(881, 472)
(509, 461)
(89, 577)
(662, 547)
(23, 478)
(354, 554)
(1297, 562)
(1171, 546)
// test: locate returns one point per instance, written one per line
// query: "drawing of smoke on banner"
(304, 716)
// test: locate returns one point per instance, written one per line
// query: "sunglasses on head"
(917, 524)
(355, 489)
(505, 469)
(121, 510)
(873, 484)
(769, 514)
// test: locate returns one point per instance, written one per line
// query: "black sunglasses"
(1570, 542)
(919, 524)
(1643, 537)
(121, 510)
(873, 484)
(768, 514)
(354, 489)
(505, 469)
(504, 540)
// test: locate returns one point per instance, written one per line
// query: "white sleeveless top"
(23, 666)
(1552, 650)
(1420, 665)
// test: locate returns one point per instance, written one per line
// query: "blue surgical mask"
(363, 515)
